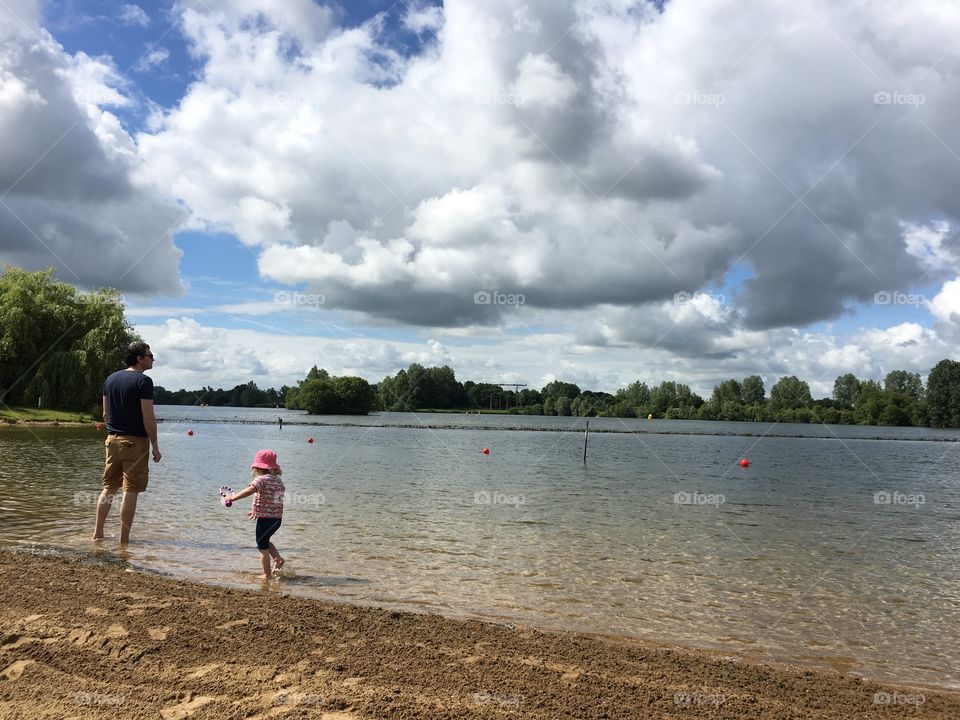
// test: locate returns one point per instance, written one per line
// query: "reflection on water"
(838, 552)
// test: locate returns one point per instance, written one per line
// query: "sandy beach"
(82, 639)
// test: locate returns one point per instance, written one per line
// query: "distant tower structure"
(496, 401)
(516, 389)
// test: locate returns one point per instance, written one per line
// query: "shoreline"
(4, 422)
(93, 639)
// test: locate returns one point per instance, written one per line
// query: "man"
(131, 430)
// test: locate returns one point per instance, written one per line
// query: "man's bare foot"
(97, 537)
(279, 561)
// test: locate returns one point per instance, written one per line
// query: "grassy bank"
(42, 415)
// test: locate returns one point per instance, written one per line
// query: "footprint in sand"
(233, 623)
(116, 631)
(158, 633)
(78, 636)
(14, 671)
(185, 709)
(202, 670)
(16, 641)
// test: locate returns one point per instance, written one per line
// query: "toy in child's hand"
(224, 493)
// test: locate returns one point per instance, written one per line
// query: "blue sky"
(678, 190)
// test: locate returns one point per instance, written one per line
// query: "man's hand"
(156, 454)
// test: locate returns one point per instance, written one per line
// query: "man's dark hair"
(135, 351)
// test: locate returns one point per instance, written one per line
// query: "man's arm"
(150, 425)
(106, 419)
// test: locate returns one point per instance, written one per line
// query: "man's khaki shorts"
(127, 463)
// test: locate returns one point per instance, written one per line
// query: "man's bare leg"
(103, 509)
(128, 508)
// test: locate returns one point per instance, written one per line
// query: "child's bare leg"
(275, 554)
(265, 563)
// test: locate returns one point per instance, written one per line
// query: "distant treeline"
(58, 344)
(902, 399)
(247, 395)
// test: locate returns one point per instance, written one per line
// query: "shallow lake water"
(833, 548)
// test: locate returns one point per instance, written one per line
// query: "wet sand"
(81, 639)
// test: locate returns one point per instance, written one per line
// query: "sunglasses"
(149, 356)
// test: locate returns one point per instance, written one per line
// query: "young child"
(267, 506)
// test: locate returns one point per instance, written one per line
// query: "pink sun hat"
(265, 460)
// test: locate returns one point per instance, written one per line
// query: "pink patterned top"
(268, 502)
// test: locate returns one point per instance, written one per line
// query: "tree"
(57, 344)
(482, 395)
(529, 397)
(687, 398)
(558, 389)
(663, 397)
(943, 394)
(868, 389)
(636, 393)
(395, 393)
(317, 374)
(563, 406)
(904, 383)
(354, 395)
(790, 393)
(727, 391)
(897, 410)
(319, 397)
(752, 392)
(548, 407)
(846, 390)
(731, 410)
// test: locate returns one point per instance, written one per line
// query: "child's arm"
(247, 491)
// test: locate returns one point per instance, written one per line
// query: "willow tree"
(57, 344)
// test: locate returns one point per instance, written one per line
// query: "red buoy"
(744, 463)
(309, 440)
(486, 451)
(190, 433)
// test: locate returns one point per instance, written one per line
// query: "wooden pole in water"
(586, 434)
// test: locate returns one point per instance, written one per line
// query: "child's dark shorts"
(266, 527)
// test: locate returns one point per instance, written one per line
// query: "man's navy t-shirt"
(124, 390)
